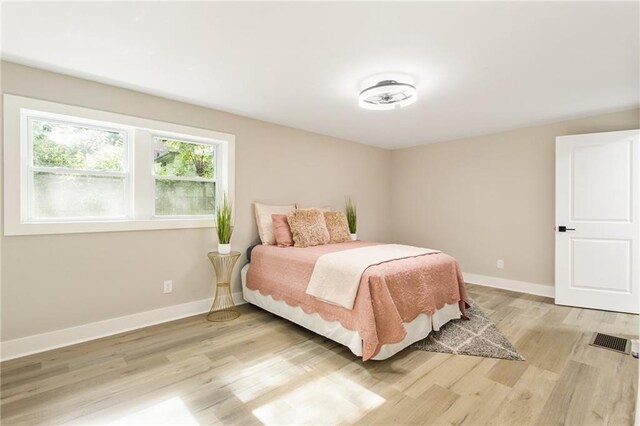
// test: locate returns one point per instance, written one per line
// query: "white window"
(76, 171)
(185, 181)
(70, 169)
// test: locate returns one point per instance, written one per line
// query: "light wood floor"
(260, 369)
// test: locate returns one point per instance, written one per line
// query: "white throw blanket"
(336, 276)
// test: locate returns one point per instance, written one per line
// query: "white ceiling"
(479, 67)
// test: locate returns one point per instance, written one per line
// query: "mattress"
(416, 330)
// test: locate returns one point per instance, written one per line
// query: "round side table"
(223, 308)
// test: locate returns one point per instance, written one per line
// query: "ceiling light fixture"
(388, 94)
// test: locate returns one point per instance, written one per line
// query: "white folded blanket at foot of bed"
(336, 276)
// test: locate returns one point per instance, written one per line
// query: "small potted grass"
(352, 218)
(224, 228)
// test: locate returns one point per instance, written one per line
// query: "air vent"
(613, 343)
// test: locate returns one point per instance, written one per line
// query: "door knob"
(565, 229)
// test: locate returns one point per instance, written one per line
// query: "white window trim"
(140, 162)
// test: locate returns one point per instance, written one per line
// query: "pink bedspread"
(390, 293)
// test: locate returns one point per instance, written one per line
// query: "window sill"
(105, 226)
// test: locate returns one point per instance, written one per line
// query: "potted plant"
(224, 229)
(352, 218)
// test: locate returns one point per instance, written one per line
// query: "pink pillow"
(281, 230)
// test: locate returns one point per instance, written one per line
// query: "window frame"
(140, 166)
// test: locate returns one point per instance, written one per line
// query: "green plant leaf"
(224, 228)
(352, 217)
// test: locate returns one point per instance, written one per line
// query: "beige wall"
(489, 197)
(51, 282)
(478, 199)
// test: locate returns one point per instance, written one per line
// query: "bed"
(398, 302)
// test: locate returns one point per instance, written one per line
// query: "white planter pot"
(224, 248)
(354, 237)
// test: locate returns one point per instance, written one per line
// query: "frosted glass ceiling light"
(388, 94)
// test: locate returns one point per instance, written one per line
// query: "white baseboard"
(68, 336)
(512, 285)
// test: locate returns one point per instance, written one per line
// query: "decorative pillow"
(281, 230)
(337, 226)
(265, 223)
(308, 227)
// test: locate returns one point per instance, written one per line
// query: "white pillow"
(322, 209)
(265, 222)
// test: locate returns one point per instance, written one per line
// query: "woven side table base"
(223, 307)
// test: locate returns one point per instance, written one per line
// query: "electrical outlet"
(168, 286)
(500, 264)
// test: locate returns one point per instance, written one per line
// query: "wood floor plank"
(558, 342)
(507, 372)
(614, 401)
(457, 368)
(33, 387)
(408, 411)
(30, 375)
(528, 397)
(477, 407)
(572, 393)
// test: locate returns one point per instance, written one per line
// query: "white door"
(598, 221)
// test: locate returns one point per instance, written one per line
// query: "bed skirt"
(416, 330)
